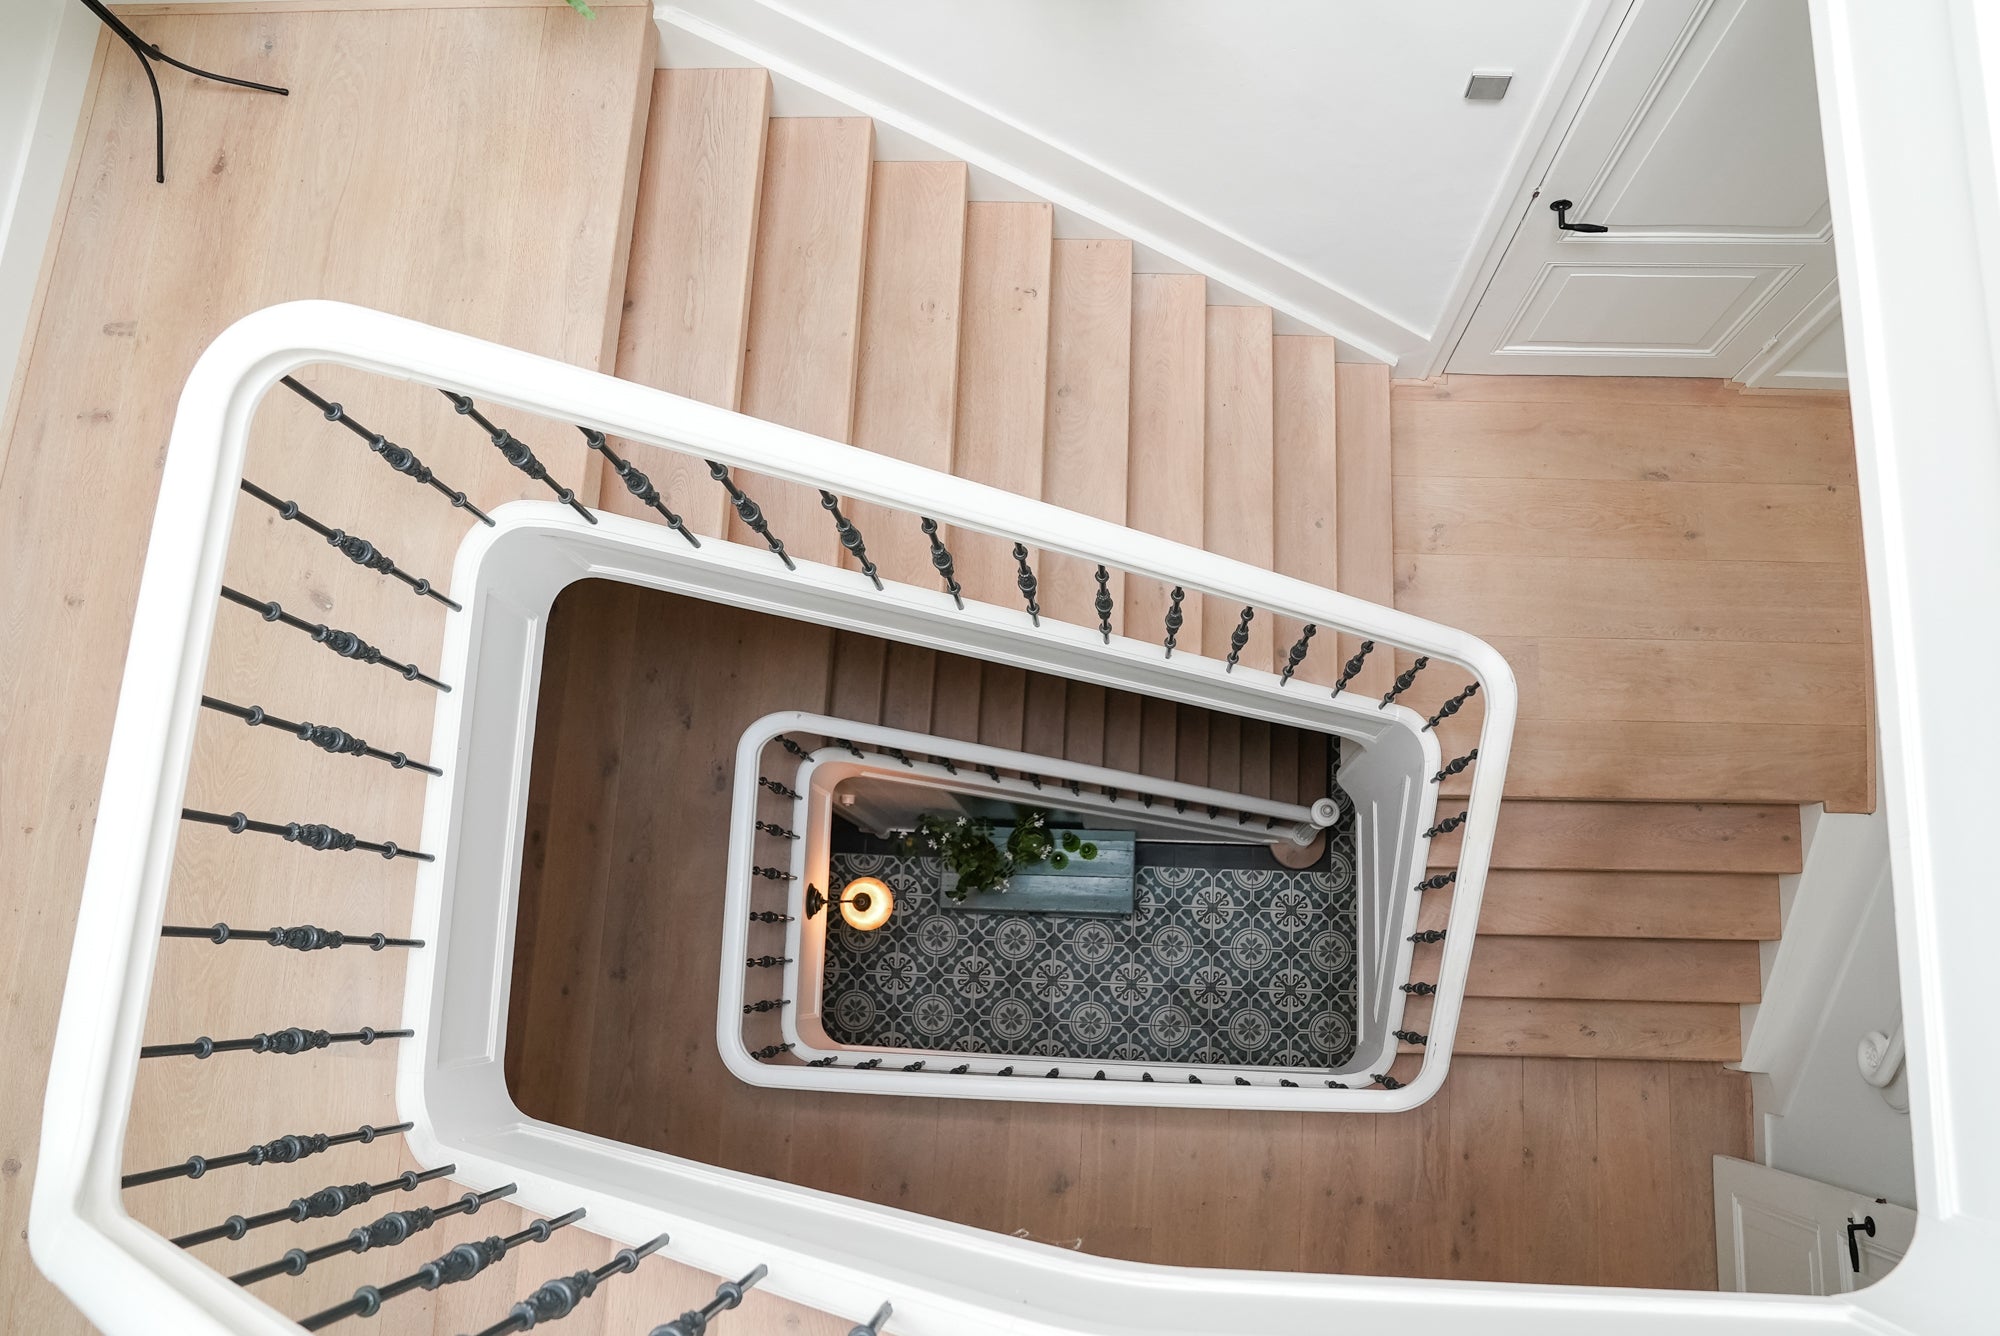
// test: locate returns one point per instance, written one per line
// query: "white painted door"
(1698, 146)
(1779, 1233)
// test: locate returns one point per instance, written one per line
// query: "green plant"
(966, 846)
(580, 7)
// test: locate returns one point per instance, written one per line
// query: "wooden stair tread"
(687, 286)
(1002, 376)
(805, 307)
(1088, 440)
(1365, 503)
(1237, 488)
(906, 378)
(1540, 903)
(1639, 837)
(1572, 1028)
(1169, 351)
(1609, 968)
(1305, 482)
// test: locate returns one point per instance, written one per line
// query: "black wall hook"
(1561, 210)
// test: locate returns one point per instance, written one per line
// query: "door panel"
(1780, 1233)
(1699, 146)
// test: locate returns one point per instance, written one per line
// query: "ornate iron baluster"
(1352, 666)
(285, 1150)
(1455, 766)
(773, 828)
(1296, 655)
(455, 1267)
(792, 746)
(772, 873)
(1025, 581)
(750, 512)
(1451, 707)
(329, 1201)
(769, 1051)
(898, 754)
(873, 1326)
(782, 790)
(312, 836)
(1428, 935)
(516, 452)
(386, 1232)
(324, 736)
(395, 456)
(284, 1042)
(1386, 1081)
(1447, 826)
(768, 916)
(1103, 603)
(638, 484)
(1403, 680)
(344, 643)
(1419, 989)
(950, 766)
(1175, 618)
(727, 1295)
(941, 560)
(850, 537)
(305, 937)
(1410, 1037)
(356, 549)
(559, 1298)
(1239, 638)
(766, 962)
(1437, 883)
(766, 1004)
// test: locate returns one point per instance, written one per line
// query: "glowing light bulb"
(866, 902)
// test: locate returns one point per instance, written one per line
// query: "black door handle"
(1561, 210)
(1865, 1225)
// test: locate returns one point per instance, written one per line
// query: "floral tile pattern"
(1240, 967)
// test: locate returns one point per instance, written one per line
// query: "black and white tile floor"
(1228, 966)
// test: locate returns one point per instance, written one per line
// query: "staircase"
(778, 270)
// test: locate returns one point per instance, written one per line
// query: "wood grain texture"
(1169, 350)
(1614, 968)
(1711, 905)
(687, 289)
(1002, 377)
(1088, 440)
(1325, 1193)
(1306, 486)
(1364, 530)
(906, 394)
(805, 307)
(1568, 1028)
(1639, 837)
(1238, 503)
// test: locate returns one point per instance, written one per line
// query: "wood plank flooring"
(1511, 1173)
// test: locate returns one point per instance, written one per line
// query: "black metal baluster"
(1175, 618)
(1428, 935)
(1403, 680)
(1352, 666)
(772, 873)
(1437, 883)
(898, 754)
(559, 1298)
(769, 1051)
(292, 1040)
(1410, 1037)
(1418, 989)
(324, 736)
(1447, 826)
(285, 1150)
(766, 962)
(1451, 707)
(773, 828)
(344, 643)
(386, 1232)
(791, 745)
(329, 1201)
(848, 744)
(941, 560)
(1103, 603)
(1296, 655)
(1025, 582)
(1455, 766)
(460, 1264)
(850, 537)
(1386, 1081)
(950, 766)
(516, 452)
(638, 484)
(782, 790)
(769, 916)
(873, 1326)
(750, 512)
(304, 937)
(356, 549)
(395, 456)
(311, 835)
(727, 1295)
(766, 1004)
(1239, 638)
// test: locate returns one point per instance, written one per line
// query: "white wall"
(1318, 156)
(1831, 979)
(45, 52)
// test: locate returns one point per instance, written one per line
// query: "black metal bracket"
(147, 53)
(1561, 210)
